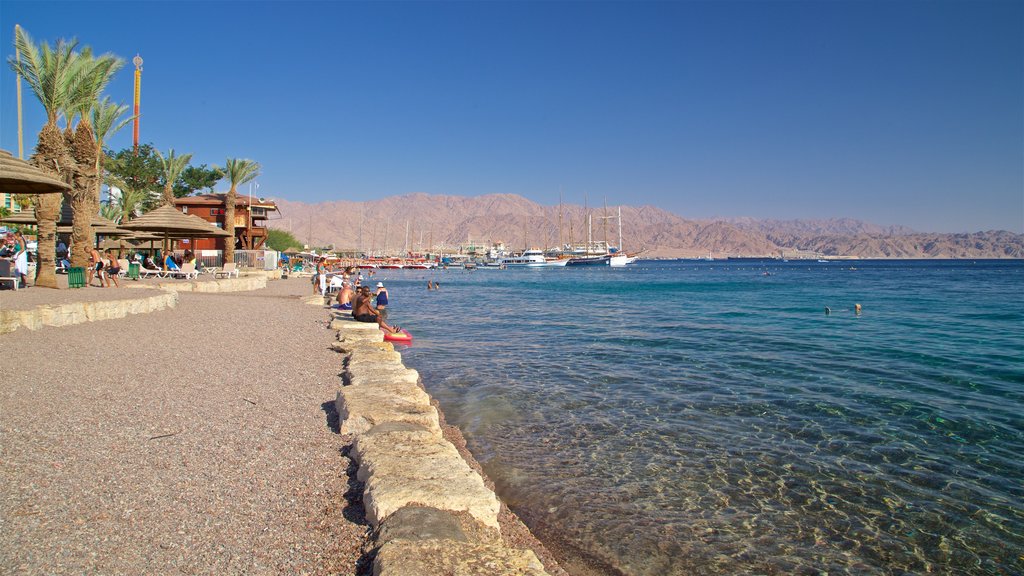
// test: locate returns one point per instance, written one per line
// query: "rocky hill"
(418, 221)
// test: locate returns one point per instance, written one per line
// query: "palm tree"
(48, 72)
(238, 171)
(93, 74)
(128, 203)
(106, 123)
(172, 167)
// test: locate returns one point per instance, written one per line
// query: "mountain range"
(415, 222)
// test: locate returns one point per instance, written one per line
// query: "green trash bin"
(76, 277)
(133, 270)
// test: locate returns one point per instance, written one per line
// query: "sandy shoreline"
(196, 440)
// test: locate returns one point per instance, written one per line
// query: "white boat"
(529, 258)
(620, 259)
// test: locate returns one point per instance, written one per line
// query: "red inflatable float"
(400, 336)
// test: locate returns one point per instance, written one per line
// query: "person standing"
(382, 300)
(111, 269)
(21, 258)
(95, 267)
(321, 275)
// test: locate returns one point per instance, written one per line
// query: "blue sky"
(892, 112)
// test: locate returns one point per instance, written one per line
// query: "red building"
(250, 225)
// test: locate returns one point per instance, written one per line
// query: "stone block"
(416, 558)
(359, 373)
(362, 408)
(423, 523)
(403, 465)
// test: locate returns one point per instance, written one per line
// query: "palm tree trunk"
(47, 213)
(229, 225)
(51, 157)
(168, 196)
(83, 150)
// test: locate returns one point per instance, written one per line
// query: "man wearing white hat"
(382, 300)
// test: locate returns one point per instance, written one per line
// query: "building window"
(216, 211)
(184, 209)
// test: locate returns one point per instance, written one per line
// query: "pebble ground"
(195, 440)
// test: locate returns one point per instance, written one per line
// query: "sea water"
(690, 417)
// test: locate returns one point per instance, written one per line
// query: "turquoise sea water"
(706, 417)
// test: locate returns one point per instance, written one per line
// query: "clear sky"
(894, 112)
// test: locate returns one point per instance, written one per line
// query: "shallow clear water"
(696, 417)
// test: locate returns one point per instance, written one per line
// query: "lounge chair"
(150, 272)
(229, 270)
(122, 263)
(187, 271)
(8, 274)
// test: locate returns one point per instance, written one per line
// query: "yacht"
(529, 258)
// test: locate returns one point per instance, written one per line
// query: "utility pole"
(17, 58)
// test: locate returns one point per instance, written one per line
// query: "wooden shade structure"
(20, 177)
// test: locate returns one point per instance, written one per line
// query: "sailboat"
(608, 258)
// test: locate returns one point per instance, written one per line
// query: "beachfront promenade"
(236, 433)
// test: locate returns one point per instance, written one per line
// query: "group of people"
(104, 267)
(366, 305)
(15, 249)
(364, 310)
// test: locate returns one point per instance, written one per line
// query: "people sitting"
(363, 311)
(190, 258)
(344, 297)
(169, 263)
(149, 263)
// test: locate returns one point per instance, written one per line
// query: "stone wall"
(79, 312)
(431, 512)
(242, 284)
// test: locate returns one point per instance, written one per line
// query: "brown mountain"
(418, 221)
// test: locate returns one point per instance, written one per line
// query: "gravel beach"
(191, 440)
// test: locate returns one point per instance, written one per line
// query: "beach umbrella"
(20, 177)
(169, 222)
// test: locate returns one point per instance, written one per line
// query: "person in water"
(363, 311)
(382, 300)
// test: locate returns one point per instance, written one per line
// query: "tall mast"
(560, 245)
(620, 229)
(604, 222)
(406, 237)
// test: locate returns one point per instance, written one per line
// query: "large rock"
(424, 523)
(404, 464)
(436, 557)
(359, 373)
(360, 408)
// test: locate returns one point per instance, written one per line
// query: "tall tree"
(135, 171)
(171, 166)
(238, 171)
(195, 178)
(127, 203)
(106, 121)
(48, 72)
(92, 76)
